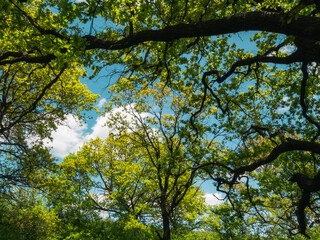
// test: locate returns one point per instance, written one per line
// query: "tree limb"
(258, 21)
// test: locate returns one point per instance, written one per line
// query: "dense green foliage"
(226, 91)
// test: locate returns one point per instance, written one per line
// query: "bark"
(288, 146)
(166, 225)
(305, 27)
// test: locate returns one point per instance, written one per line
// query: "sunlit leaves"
(36, 98)
(175, 98)
(26, 216)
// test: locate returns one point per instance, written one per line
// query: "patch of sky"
(70, 136)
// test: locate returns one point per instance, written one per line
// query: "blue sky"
(70, 136)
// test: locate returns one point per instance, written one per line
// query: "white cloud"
(284, 109)
(99, 129)
(101, 103)
(68, 137)
(288, 49)
(72, 134)
(285, 99)
(213, 198)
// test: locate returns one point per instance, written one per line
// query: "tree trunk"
(166, 225)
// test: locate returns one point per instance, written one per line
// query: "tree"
(34, 99)
(112, 181)
(156, 119)
(227, 223)
(121, 180)
(68, 195)
(24, 215)
(268, 90)
(269, 195)
(148, 166)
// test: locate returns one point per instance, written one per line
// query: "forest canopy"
(226, 91)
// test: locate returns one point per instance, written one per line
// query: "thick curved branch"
(288, 146)
(305, 183)
(13, 54)
(258, 21)
(295, 57)
(27, 58)
(300, 55)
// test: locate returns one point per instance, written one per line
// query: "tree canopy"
(258, 102)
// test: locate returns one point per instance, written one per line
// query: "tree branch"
(258, 21)
(288, 146)
(37, 26)
(23, 57)
(37, 100)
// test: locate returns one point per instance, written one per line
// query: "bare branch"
(303, 96)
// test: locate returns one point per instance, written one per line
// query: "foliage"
(33, 102)
(246, 117)
(25, 216)
(199, 235)
(127, 185)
